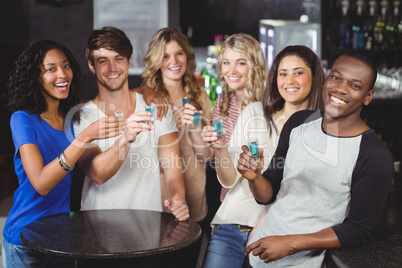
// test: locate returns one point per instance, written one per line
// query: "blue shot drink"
(197, 120)
(254, 149)
(218, 126)
(185, 100)
(152, 111)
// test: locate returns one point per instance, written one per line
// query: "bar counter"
(385, 247)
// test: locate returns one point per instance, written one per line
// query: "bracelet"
(63, 163)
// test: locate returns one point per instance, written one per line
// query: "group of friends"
(320, 181)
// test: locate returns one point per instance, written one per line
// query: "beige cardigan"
(194, 171)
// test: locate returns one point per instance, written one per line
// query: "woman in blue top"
(44, 93)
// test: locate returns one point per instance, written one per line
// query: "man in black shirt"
(329, 179)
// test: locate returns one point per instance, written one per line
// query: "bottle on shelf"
(205, 77)
(358, 27)
(218, 42)
(380, 34)
(369, 26)
(395, 26)
(212, 92)
(390, 26)
(344, 27)
(399, 26)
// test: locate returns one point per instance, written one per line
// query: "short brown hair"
(110, 38)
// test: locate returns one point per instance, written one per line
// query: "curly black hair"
(24, 89)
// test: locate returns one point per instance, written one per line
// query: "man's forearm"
(325, 239)
(172, 165)
(102, 166)
(176, 184)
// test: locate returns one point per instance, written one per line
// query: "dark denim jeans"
(227, 247)
(16, 256)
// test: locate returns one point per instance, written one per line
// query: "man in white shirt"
(131, 161)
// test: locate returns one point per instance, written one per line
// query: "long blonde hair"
(153, 61)
(254, 89)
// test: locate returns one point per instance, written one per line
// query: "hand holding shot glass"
(254, 148)
(218, 126)
(213, 134)
(190, 115)
(197, 120)
(136, 123)
(150, 109)
(119, 115)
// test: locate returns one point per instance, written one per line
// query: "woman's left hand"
(249, 167)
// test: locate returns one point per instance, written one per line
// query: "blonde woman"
(242, 68)
(170, 67)
(294, 83)
(244, 72)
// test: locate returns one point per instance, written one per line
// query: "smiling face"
(347, 88)
(234, 69)
(294, 80)
(110, 68)
(56, 75)
(174, 62)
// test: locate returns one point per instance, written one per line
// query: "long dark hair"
(273, 101)
(24, 89)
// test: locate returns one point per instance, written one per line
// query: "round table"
(103, 234)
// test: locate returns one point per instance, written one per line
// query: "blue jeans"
(16, 256)
(227, 247)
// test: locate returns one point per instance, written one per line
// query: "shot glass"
(150, 109)
(218, 126)
(254, 148)
(185, 100)
(197, 120)
(119, 115)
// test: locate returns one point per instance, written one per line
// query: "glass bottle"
(399, 39)
(380, 34)
(205, 76)
(395, 26)
(218, 42)
(369, 26)
(357, 26)
(344, 27)
(212, 93)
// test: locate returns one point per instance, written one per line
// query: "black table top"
(110, 234)
(385, 247)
